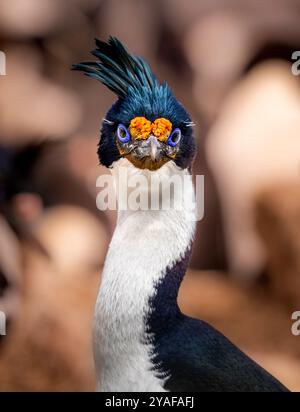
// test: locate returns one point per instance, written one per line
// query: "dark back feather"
(117, 69)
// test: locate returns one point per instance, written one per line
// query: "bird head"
(146, 125)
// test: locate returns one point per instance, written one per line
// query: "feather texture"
(119, 70)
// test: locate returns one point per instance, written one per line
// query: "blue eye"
(174, 137)
(123, 134)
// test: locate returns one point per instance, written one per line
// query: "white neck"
(144, 244)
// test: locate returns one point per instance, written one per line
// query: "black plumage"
(119, 70)
(193, 355)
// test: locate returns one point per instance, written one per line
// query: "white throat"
(144, 244)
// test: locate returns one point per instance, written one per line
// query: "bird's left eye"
(174, 137)
(123, 134)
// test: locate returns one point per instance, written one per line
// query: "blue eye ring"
(123, 133)
(174, 137)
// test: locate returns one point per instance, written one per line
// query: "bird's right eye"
(123, 134)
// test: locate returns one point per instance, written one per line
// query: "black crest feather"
(117, 69)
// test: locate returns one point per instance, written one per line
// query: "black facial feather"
(139, 94)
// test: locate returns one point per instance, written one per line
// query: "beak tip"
(153, 148)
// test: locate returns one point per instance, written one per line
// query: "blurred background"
(229, 63)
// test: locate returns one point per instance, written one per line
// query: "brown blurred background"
(229, 63)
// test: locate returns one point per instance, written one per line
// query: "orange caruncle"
(141, 128)
(161, 128)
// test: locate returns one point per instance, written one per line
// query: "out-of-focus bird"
(142, 341)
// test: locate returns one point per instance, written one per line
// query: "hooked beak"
(150, 148)
(154, 148)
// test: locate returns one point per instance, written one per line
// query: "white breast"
(144, 244)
